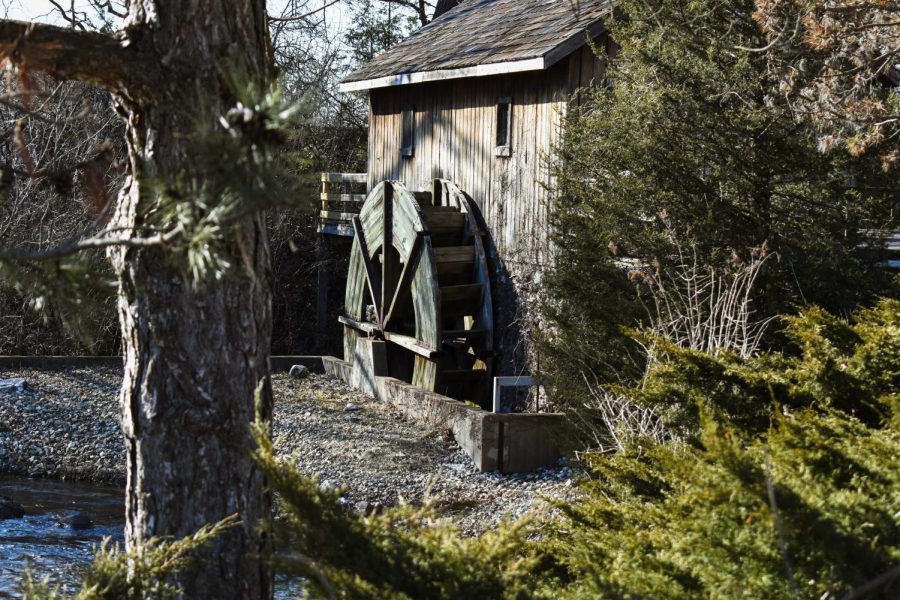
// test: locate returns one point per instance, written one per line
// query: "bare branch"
(109, 8)
(420, 6)
(703, 307)
(71, 17)
(775, 41)
(92, 58)
(883, 582)
(301, 17)
(615, 421)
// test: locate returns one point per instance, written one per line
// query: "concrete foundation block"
(526, 442)
(495, 442)
(369, 362)
(337, 368)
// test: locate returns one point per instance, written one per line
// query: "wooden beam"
(445, 221)
(461, 300)
(372, 275)
(345, 177)
(454, 254)
(404, 341)
(471, 337)
(369, 328)
(336, 197)
(406, 278)
(411, 344)
(437, 192)
(336, 215)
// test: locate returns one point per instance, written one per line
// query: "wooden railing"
(343, 195)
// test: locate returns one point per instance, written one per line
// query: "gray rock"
(351, 407)
(299, 372)
(78, 521)
(10, 509)
(13, 385)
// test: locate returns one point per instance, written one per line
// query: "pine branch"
(89, 57)
(94, 243)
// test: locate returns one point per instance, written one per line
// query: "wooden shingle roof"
(485, 37)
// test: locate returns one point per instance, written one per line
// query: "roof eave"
(540, 63)
(501, 68)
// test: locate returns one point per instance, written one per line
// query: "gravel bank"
(65, 425)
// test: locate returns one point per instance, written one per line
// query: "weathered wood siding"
(455, 139)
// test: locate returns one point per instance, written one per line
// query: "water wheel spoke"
(406, 279)
(373, 277)
(367, 328)
(387, 263)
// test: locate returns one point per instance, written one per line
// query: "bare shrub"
(612, 421)
(694, 305)
(704, 307)
(62, 168)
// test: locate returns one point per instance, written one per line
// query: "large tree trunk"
(193, 359)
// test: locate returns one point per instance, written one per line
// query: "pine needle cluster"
(401, 553)
(142, 573)
(236, 172)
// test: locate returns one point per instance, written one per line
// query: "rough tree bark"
(192, 359)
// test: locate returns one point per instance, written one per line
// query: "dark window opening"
(504, 127)
(408, 136)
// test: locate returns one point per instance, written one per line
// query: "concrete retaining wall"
(496, 442)
(58, 362)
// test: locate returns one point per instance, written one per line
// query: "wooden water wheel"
(418, 279)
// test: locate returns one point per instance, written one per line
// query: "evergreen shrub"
(785, 482)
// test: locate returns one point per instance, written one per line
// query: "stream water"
(52, 549)
(40, 539)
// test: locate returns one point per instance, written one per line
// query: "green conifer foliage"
(691, 136)
(402, 553)
(139, 574)
(784, 485)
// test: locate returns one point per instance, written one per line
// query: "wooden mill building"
(478, 97)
